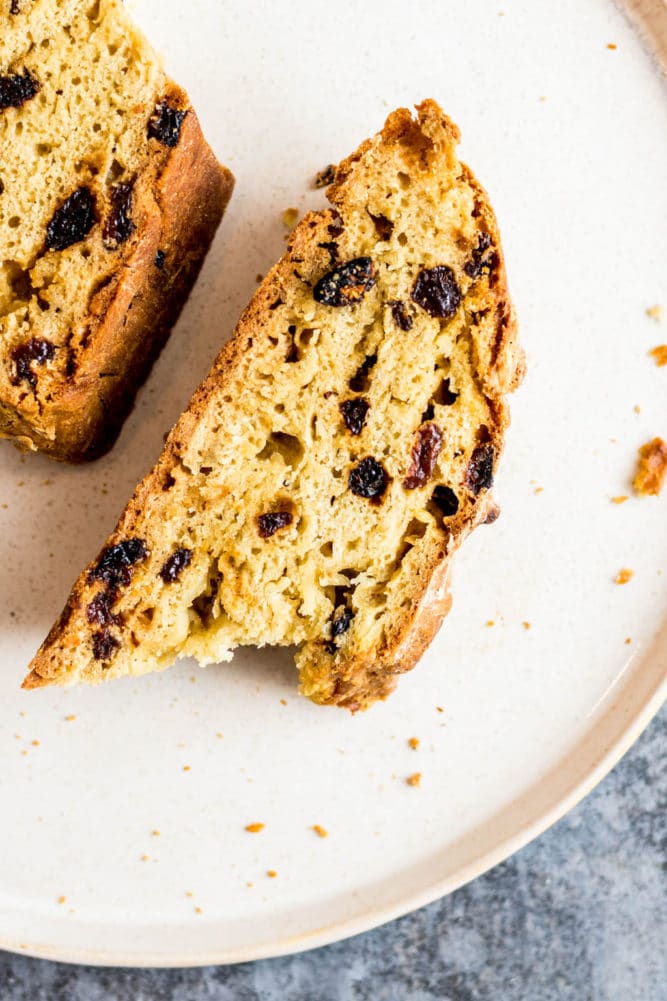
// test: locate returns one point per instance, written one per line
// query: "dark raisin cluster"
(424, 456)
(483, 257)
(36, 351)
(346, 284)
(446, 501)
(100, 612)
(340, 623)
(116, 563)
(436, 291)
(17, 88)
(271, 522)
(368, 479)
(159, 260)
(118, 226)
(174, 566)
(165, 124)
(400, 315)
(479, 475)
(354, 414)
(72, 222)
(105, 645)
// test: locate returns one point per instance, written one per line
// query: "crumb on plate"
(659, 352)
(413, 743)
(290, 217)
(655, 312)
(652, 468)
(620, 499)
(624, 575)
(320, 831)
(414, 779)
(254, 828)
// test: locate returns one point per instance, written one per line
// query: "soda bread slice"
(340, 450)
(109, 199)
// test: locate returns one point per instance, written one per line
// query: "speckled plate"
(124, 808)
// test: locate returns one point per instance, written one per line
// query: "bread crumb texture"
(659, 353)
(94, 142)
(342, 447)
(652, 468)
(655, 312)
(624, 576)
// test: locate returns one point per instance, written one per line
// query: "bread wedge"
(342, 447)
(109, 199)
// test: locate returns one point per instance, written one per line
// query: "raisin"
(16, 88)
(359, 381)
(326, 176)
(436, 291)
(159, 260)
(14, 7)
(104, 645)
(480, 259)
(383, 227)
(340, 623)
(400, 315)
(175, 565)
(354, 414)
(99, 613)
(116, 563)
(165, 124)
(446, 501)
(479, 475)
(270, 523)
(424, 456)
(36, 351)
(444, 395)
(347, 283)
(368, 479)
(72, 221)
(332, 249)
(119, 226)
(335, 227)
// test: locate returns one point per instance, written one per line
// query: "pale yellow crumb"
(187, 768)
(621, 499)
(189, 893)
(70, 718)
(254, 828)
(415, 779)
(538, 490)
(655, 312)
(612, 45)
(283, 702)
(193, 678)
(62, 900)
(145, 858)
(491, 622)
(320, 831)
(543, 98)
(156, 834)
(35, 743)
(637, 409)
(219, 735)
(659, 352)
(250, 885)
(627, 640)
(24, 753)
(271, 873)
(198, 910)
(23, 713)
(413, 743)
(526, 625)
(623, 576)
(290, 217)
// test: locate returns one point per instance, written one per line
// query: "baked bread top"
(109, 197)
(341, 448)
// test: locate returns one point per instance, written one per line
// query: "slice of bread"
(341, 448)
(109, 199)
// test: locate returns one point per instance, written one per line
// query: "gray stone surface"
(580, 915)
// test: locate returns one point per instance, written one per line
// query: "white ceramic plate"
(570, 137)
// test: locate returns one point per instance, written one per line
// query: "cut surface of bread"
(342, 446)
(109, 199)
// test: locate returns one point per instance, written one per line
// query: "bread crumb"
(320, 831)
(620, 499)
(187, 768)
(271, 873)
(659, 352)
(189, 893)
(290, 217)
(283, 702)
(250, 884)
(490, 622)
(35, 743)
(526, 625)
(538, 490)
(219, 735)
(637, 409)
(627, 640)
(415, 779)
(259, 278)
(623, 576)
(611, 45)
(655, 312)
(62, 900)
(193, 679)
(198, 910)
(145, 858)
(413, 743)
(254, 828)
(70, 718)
(652, 468)
(156, 834)
(440, 709)
(326, 176)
